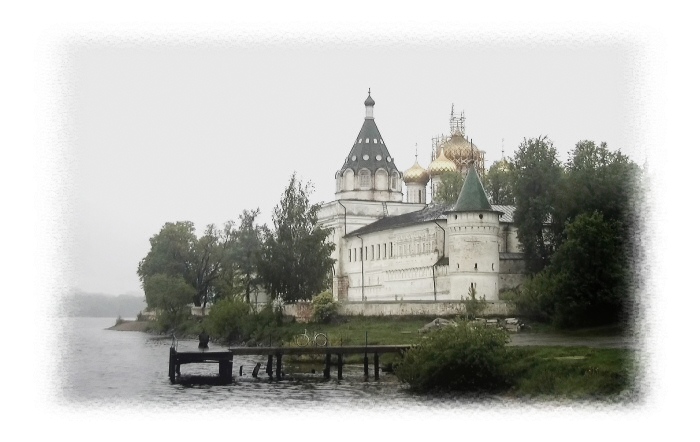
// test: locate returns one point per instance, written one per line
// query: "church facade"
(391, 248)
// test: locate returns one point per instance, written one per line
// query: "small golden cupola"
(440, 165)
(416, 174)
(437, 168)
(459, 148)
(416, 178)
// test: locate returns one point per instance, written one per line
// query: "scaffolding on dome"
(458, 147)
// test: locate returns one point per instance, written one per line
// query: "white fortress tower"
(473, 229)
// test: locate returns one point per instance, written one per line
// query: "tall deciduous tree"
(498, 183)
(210, 250)
(172, 253)
(296, 261)
(177, 252)
(240, 275)
(170, 294)
(537, 177)
(599, 180)
(450, 185)
(588, 281)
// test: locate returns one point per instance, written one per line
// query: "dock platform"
(225, 358)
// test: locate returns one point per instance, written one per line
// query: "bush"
(229, 320)
(172, 321)
(324, 308)
(232, 320)
(468, 357)
(473, 307)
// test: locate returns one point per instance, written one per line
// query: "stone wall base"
(302, 311)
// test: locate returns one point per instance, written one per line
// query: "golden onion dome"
(416, 174)
(441, 164)
(459, 150)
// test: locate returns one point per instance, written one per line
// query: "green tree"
(537, 177)
(177, 252)
(450, 186)
(209, 252)
(172, 252)
(587, 282)
(295, 261)
(170, 295)
(246, 253)
(599, 180)
(498, 183)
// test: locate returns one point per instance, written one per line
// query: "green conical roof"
(472, 197)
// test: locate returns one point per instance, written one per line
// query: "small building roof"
(431, 212)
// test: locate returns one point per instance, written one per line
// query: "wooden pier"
(225, 358)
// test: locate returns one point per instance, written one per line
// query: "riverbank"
(140, 326)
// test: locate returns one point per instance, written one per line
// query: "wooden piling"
(376, 366)
(268, 369)
(255, 370)
(327, 368)
(366, 364)
(340, 366)
(226, 371)
(171, 365)
(278, 372)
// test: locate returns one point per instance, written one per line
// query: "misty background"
(165, 131)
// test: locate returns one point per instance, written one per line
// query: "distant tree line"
(576, 226)
(102, 306)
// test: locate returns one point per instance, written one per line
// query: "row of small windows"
(366, 158)
(380, 251)
(359, 141)
(347, 182)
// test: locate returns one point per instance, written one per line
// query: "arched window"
(381, 180)
(365, 181)
(394, 181)
(349, 179)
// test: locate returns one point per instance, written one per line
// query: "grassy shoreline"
(536, 372)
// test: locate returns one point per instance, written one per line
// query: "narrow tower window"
(364, 178)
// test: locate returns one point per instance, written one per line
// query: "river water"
(106, 367)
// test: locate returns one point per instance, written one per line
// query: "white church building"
(391, 244)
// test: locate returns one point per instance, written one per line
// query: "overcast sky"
(163, 130)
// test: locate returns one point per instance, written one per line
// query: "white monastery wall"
(408, 308)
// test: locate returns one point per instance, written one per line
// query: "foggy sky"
(164, 131)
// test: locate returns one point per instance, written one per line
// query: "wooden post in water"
(278, 372)
(268, 369)
(376, 366)
(226, 371)
(255, 370)
(327, 368)
(340, 366)
(171, 365)
(366, 360)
